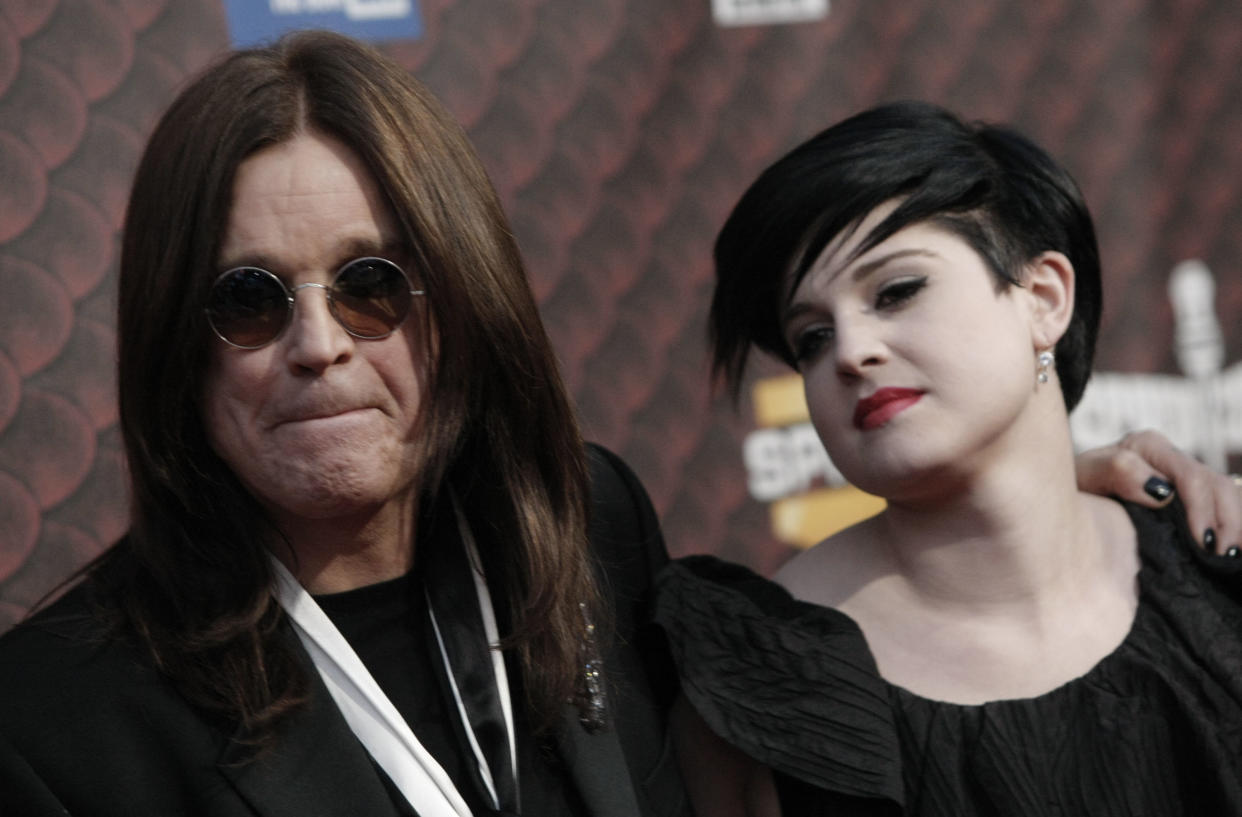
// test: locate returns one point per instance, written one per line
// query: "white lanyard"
(492, 634)
(369, 713)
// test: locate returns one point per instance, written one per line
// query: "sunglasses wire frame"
(266, 330)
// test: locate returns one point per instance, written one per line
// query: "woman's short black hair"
(993, 187)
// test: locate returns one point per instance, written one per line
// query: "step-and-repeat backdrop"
(619, 133)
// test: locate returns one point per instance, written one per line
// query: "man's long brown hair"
(193, 579)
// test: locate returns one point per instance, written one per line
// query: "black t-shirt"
(388, 627)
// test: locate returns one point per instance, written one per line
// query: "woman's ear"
(1049, 286)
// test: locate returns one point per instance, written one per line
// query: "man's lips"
(319, 414)
(877, 409)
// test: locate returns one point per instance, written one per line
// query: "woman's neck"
(995, 582)
(1003, 604)
(1006, 526)
(1010, 537)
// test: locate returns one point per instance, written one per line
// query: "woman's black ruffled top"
(1155, 728)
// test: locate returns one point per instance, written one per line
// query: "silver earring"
(1045, 363)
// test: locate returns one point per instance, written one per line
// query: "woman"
(995, 641)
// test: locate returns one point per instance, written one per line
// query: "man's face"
(317, 424)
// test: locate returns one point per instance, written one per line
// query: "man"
(354, 469)
(329, 355)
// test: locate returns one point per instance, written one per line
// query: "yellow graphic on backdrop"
(787, 468)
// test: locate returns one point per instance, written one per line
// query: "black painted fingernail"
(1209, 540)
(1158, 489)
(1233, 552)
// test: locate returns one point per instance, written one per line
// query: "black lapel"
(316, 767)
(598, 768)
(447, 579)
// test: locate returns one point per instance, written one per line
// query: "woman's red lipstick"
(877, 409)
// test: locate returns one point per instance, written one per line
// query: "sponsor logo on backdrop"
(788, 468)
(766, 12)
(1201, 412)
(258, 21)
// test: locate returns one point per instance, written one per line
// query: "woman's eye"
(809, 342)
(898, 292)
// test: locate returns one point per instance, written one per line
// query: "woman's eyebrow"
(857, 274)
(863, 270)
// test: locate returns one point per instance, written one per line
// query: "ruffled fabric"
(1155, 728)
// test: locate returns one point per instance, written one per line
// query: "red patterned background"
(619, 133)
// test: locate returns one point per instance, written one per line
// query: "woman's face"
(918, 368)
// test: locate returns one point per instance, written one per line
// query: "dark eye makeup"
(899, 291)
(810, 341)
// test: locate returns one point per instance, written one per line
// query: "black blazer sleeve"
(25, 793)
(629, 550)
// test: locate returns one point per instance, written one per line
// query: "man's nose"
(316, 339)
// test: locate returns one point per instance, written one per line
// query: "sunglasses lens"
(248, 307)
(371, 297)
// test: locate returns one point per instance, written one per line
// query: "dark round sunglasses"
(250, 307)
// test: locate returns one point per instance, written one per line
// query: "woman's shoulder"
(791, 684)
(1167, 546)
(1185, 582)
(704, 597)
(836, 568)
